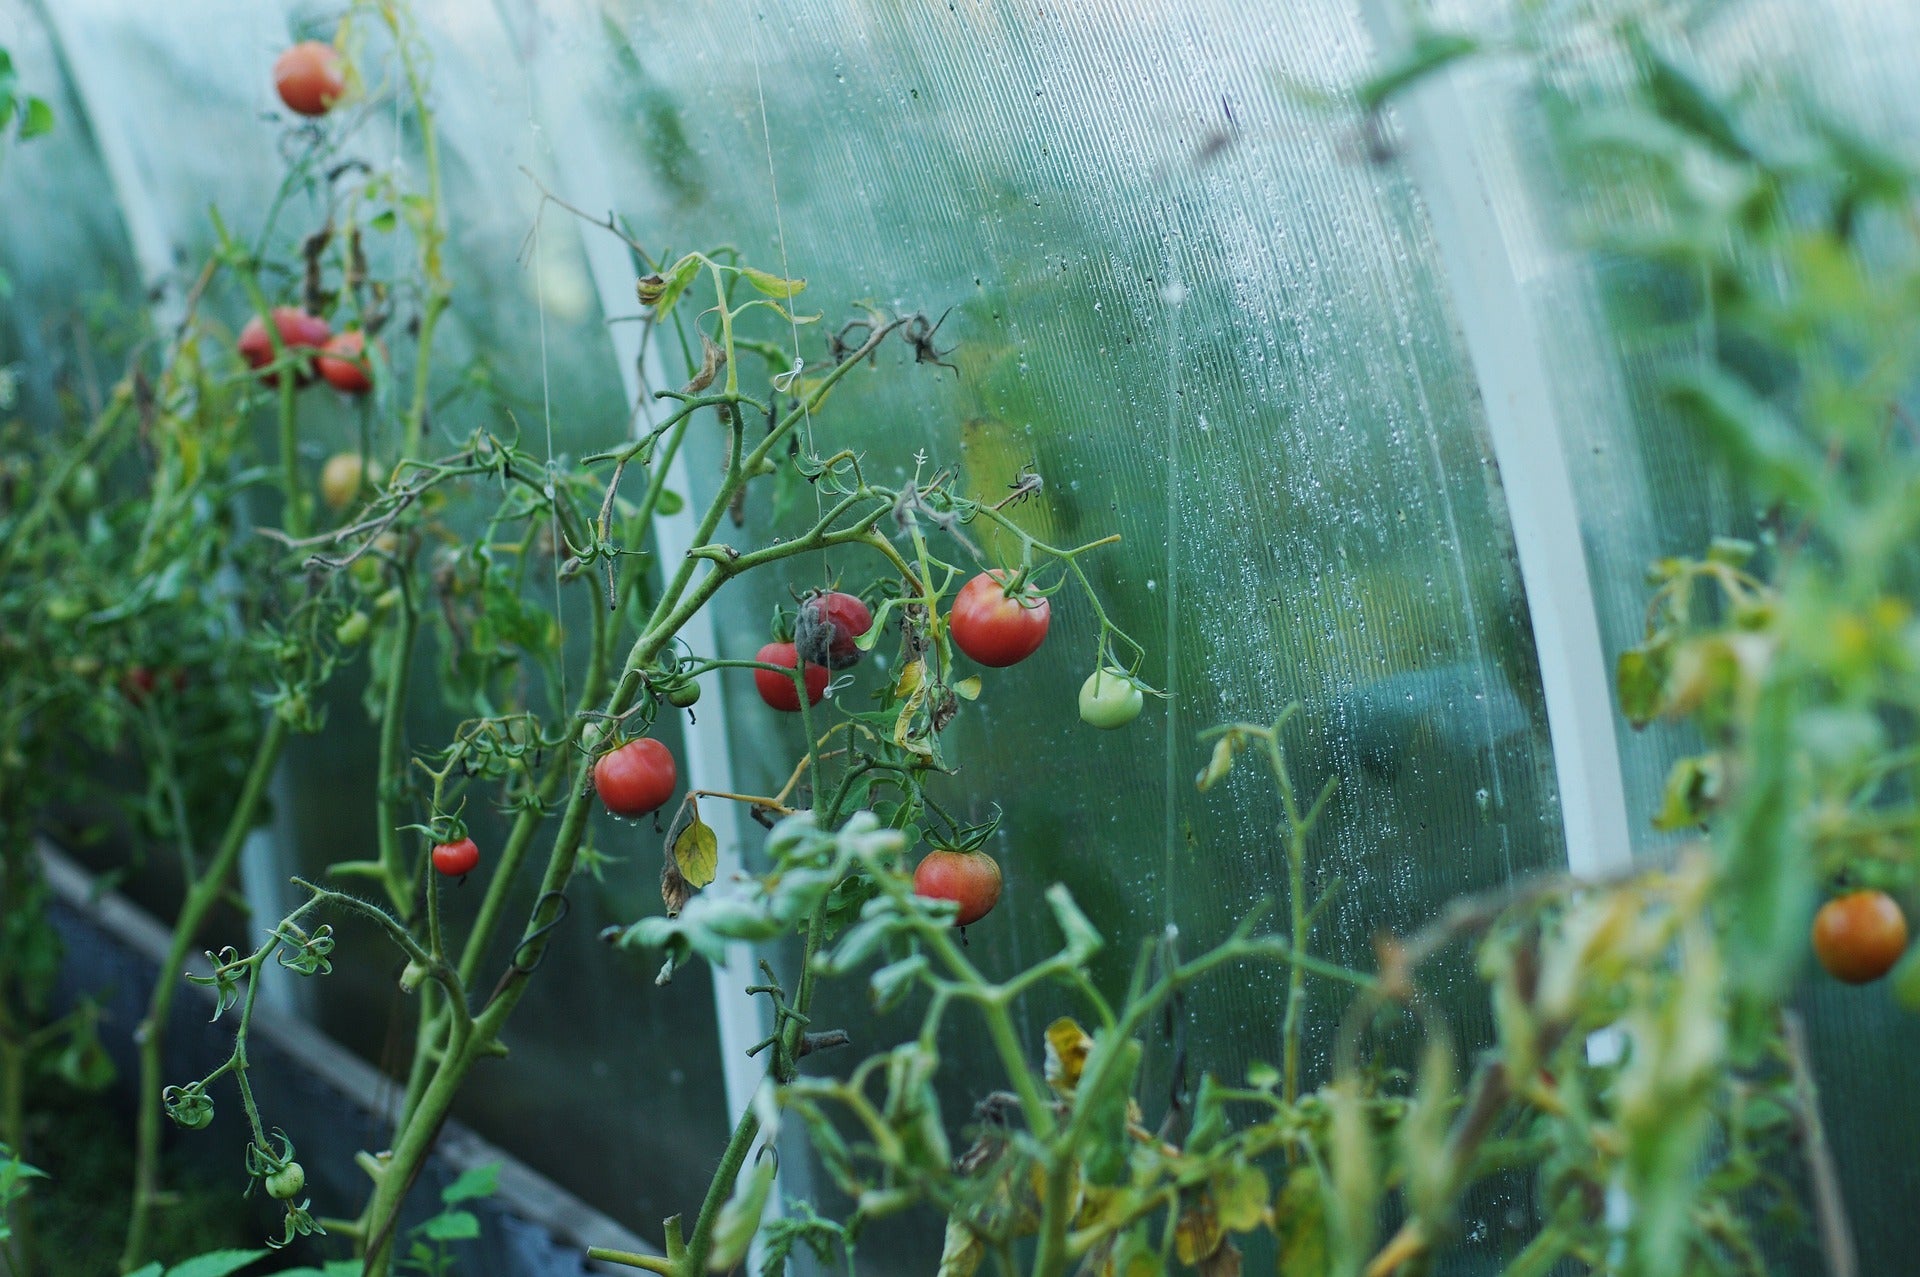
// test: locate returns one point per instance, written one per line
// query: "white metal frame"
(1477, 260)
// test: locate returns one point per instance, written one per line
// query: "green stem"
(201, 897)
(392, 759)
(719, 1189)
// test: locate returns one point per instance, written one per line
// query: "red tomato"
(971, 879)
(309, 77)
(456, 859)
(636, 778)
(829, 623)
(138, 683)
(778, 690)
(344, 366)
(1858, 937)
(297, 329)
(994, 629)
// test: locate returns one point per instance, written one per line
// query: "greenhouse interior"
(845, 636)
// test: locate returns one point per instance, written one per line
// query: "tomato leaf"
(478, 1181)
(451, 1226)
(37, 121)
(1067, 1049)
(772, 285)
(217, 1263)
(967, 689)
(696, 850)
(740, 1217)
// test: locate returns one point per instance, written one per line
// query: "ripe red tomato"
(636, 778)
(994, 629)
(455, 859)
(971, 879)
(778, 690)
(344, 366)
(138, 683)
(1859, 936)
(297, 329)
(309, 77)
(829, 624)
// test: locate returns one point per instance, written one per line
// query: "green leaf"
(38, 120)
(1685, 103)
(451, 1226)
(669, 503)
(773, 285)
(891, 983)
(1641, 677)
(151, 1270)
(478, 1181)
(384, 220)
(218, 1263)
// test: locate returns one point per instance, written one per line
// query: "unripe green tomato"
(389, 600)
(1110, 699)
(285, 1184)
(353, 629)
(683, 695)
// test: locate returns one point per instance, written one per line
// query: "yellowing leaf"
(1241, 1193)
(1198, 1234)
(968, 689)
(695, 848)
(772, 285)
(962, 1251)
(1067, 1049)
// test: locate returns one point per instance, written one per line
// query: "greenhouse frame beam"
(1510, 366)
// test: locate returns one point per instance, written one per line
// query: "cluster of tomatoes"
(310, 79)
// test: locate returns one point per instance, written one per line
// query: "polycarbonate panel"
(1614, 328)
(1214, 328)
(609, 1080)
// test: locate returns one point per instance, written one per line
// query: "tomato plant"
(1859, 937)
(636, 778)
(309, 77)
(778, 690)
(995, 628)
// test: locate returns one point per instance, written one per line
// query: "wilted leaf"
(968, 689)
(1067, 1048)
(1224, 1262)
(674, 891)
(962, 1251)
(1198, 1234)
(678, 276)
(1219, 764)
(1300, 1222)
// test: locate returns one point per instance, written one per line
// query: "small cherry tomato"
(285, 1184)
(994, 629)
(353, 628)
(684, 695)
(829, 625)
(636, 778)
(456, 859)
(140, 682)
(340, 479)
(778, 690)
(1109, 698)
(971, 879)
(344, 365)
(1859, 936)
(309, 77)
(297, 329)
